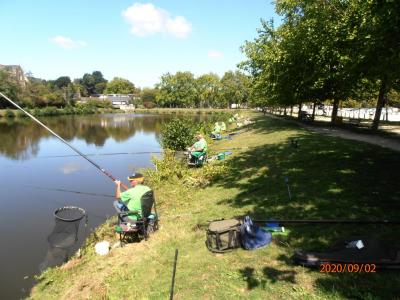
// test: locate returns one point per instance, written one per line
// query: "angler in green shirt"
(199, 148)
(222, 125)
(130, 200)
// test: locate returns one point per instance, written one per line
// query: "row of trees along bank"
(38, 93)
(174, 90)
(326, 50)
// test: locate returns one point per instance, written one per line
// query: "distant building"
(16, 72)
(117, 99)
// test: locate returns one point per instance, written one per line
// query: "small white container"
(102, 248)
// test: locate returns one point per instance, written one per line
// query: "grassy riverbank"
(54, 111)
(330, 178)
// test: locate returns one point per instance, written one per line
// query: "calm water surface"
(34, 164)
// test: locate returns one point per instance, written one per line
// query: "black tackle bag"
(223, 235)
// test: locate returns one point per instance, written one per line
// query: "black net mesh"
(65, 232)
(64, 237)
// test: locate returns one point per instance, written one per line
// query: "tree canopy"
(120, 86)
(325, 50)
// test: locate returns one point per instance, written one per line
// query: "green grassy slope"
(329, 178)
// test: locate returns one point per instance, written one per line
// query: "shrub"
(50, 111)
(99, 103)
(9, 113)
(20, 114)
(204, 176)
(149, 104)
(170, 170)
(178, 134)
(36, 112)
(69, 110)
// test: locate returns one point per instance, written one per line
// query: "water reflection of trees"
(20, 138)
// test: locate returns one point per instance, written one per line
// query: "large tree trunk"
(299, 114)
(291, 110)
(334, 111)
(379, 105)
(313, 111)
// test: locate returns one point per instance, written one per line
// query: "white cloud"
(68, 43)
(215, 54)
(146, 19)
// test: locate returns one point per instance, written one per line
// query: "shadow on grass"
(380, 285)
(329, 178)
(383, 285)
(270, 275)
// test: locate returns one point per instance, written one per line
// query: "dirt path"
(346, 134)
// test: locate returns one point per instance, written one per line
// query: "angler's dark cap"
(136, 177)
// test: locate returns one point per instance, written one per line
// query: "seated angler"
(198, 149)
(216, 133)
(223, 126)
(130, 200)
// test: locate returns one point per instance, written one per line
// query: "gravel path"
(349, 135)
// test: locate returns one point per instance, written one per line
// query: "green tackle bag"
(223, 235)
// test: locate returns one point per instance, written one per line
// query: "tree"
(375, 26)
(120, 86)
(62, 82)
(234, 88)
(93, 83)
(305, 59)
(10, 87)
(148, 95)
(208, 90)
(177, 90)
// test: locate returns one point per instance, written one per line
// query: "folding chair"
(143, 226)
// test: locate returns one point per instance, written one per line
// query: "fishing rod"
(69, 191)
(64, 141)
(314, 222)
(232, 148)
(333, 221)
(101, 154)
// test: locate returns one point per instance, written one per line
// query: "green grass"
(330, 178)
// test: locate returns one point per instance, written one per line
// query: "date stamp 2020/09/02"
(347, 268)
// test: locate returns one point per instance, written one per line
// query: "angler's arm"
(117, 189)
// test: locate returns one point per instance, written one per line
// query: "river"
(40, 174)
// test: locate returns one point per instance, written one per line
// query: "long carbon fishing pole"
(62, 140)
(69, 191)
(392, 222)
(102, 154)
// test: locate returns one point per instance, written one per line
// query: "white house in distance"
(117, 99)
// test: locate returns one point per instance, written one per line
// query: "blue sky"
(139, 41)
